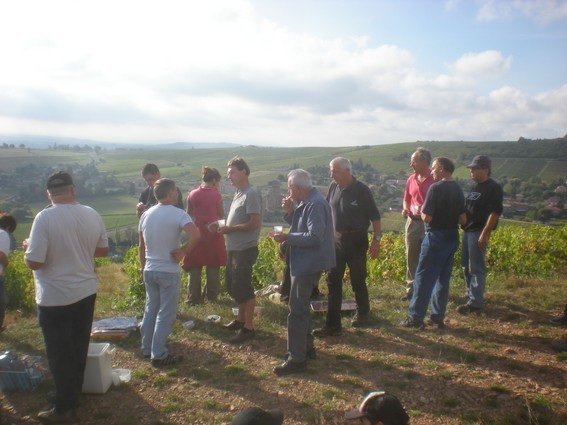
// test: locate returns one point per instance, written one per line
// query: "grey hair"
(343, 163)
(423, 154)
(300, 178)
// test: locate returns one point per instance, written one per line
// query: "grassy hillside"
(546, 159)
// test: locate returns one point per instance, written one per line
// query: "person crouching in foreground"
(380, 408)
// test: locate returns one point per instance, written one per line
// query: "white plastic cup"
(221, 223)
(278, 229)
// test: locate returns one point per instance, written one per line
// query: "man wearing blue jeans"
(64, 239)
(160, 229)
(484, 207)
(443, 211)
(311, 251)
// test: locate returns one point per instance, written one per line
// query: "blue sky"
(284, 72)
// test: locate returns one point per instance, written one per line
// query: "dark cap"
(480, 161)
(59, 179)
(379, 406)
(257, 416)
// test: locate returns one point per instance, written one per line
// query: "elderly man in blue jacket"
(312, 251)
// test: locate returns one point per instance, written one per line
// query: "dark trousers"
(2, 300)
(350, 251)
(285, 287)
(66, 332)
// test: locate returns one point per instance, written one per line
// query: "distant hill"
(46, 142)
(545, 158)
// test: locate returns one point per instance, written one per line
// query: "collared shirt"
(353, 207)
(416, 191)
(310, 238)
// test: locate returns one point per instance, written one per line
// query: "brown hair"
(210, 174)
(240, 164)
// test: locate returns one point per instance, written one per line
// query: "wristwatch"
(378, 237)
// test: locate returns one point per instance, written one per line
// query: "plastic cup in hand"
(221, 223)
(278, 230)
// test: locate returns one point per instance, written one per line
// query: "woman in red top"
(205, 206)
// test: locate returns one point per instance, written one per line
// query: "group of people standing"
(326, 235)
(435, 207)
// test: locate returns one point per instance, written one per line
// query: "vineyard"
(496, 368)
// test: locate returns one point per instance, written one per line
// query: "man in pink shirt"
(416, 189)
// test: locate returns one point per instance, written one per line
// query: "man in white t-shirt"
(64, 239)
(160, 229)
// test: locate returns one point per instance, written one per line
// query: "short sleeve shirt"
(483, 199)
(444, 202)
(353, 207)
(4, 246)
(246, 201)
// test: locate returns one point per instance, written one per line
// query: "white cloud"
(488, 64)
(217, 71)
(541, 11)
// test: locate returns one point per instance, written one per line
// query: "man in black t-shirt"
(443, 211)
(484, 207)
(147, 199)
(353, 209)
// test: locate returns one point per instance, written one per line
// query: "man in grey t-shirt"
(242, 231)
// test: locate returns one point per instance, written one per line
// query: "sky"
(284, 72)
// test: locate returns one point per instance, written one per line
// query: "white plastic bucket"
(98, 372)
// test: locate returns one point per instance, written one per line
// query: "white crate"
(98, 372)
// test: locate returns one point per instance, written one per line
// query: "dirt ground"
(496, 367)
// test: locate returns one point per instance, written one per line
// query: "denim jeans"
(433, 274)
(299, 336)
(162, 299)
(474, 268)
(350, 250)
(66, 332)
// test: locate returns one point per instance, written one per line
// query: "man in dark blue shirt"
(354, 209)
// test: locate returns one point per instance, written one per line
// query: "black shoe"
(410, 323)
(467, 308)
(166, 361)
(560, 346)
(242, 335)
(289, 367)
(311, 354)
(235, 325)
(50, 416)
(51, 398)
(360, 321)
(435, 323)
(559, 320)
(284, 299)
(326, 331)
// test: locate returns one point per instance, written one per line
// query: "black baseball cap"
(257, 416)
(380, 406)
(480, 161)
